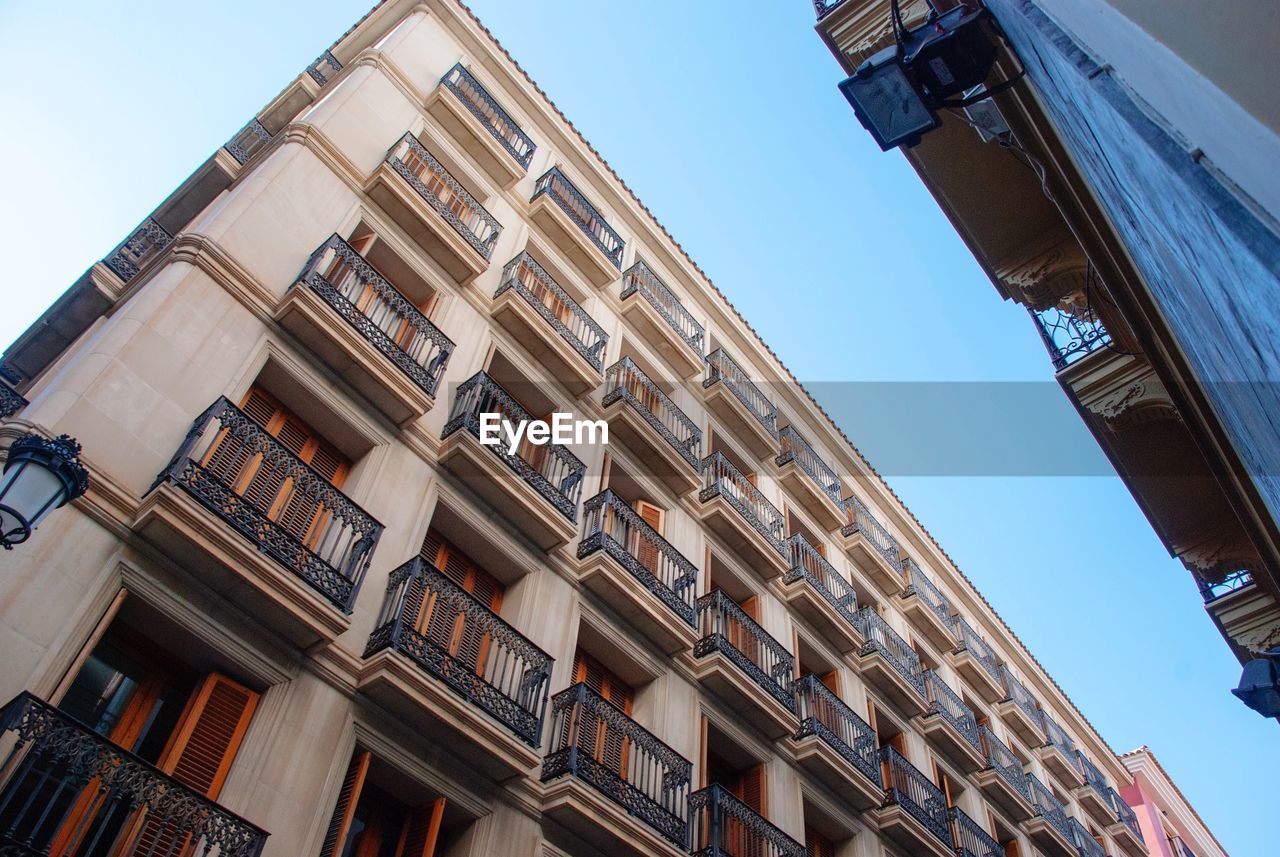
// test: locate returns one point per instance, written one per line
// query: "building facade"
(1170, 825)
(1122, 190)
(304, 610)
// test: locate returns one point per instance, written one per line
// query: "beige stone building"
(304, 610)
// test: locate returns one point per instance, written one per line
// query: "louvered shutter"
(607, 744)
(421, 830)
(749, 788)
(646, 550)
(447, 626)
(348, 796)
(817, 844)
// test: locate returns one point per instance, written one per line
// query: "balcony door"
(606, 742)
(368, 821)
(646, 549)
(447, 626)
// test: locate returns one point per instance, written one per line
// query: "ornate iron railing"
(973, 643)
(723, 368)
(723, 826)
(1059, 739)
(1002, 760)
(626, 381)
(825, 715)
(1020, 696)
(822, 7)
(592, 739)
(947, 704)
(143, 244)
(565, 194)
(1125, 813)
(484, 107)
(920, 584)
(1093, 776)
(882, 639)
(324, 67)
(248, 141)
(639, 279)
(68, 784)
(1212, 591)
(11, 401)
(551, 470)
(317, 532)
(1086, 844)
(1050, 808)
(796, 448)
(440, 190)
(812, 567)
(720, 478)
(1067, 337)
(727, 629)
(970, 839)
(910, 789)
(456, 638)
(862, 521)
(527, 278)
(378, 311)
(612, 526)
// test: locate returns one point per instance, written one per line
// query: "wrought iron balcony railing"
(1068, 337)
(287, 510)
(440, 190)
(612, 526)
(910, 789)
(626, 381)
(565, 194)
(1093, 776)
(726, 628)
(812, 567)
(1001, 760)
(456, 638)
(822, 7)
(721, 479)
(824, 714)
(947, 704)
(323, 68)
(921, 585)
(723, 368)
(497, 121)
(248, 141)
(592, 740)
(1021, 697)
(1125, 813)
(885, 641)
(862, 521)
(143, 244)
(551, 470)
(1059, 739)
(972, 642)
(527, 278)
(724, 826)
(11, 401)
(970, 839)
(796, 448)
(1086, 844)
(639, 279)
(1050, 808)
(70, 788)
(378, 311)
(1212, 591)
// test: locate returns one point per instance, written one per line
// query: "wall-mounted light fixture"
(39, 476)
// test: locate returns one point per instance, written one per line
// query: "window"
(817, 845)
(369, 300)
(607, 745)
(369, 821)
(445, 627)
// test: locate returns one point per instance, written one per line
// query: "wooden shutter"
(645, 550)
(603, 681)
(348, 796)
(817, 844)
(447, 627)
(421, 829)
(607, 745)
(751, 788)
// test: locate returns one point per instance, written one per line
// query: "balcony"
(926, 607)
(738, 661)
(474, 118)
(536, 488)
(914, 815)
(1092, 797)
(872, 548)
(438, 213)
(323, 68)
(738, 513)
(550, 325)
(136, 253)
(619, 550)
(574, 225)
(950, 724)
(1086, 845)
(10, 401)
(1050, 827)
(364, 329)
(1067, 337)
(1125, 833)
(970, 839)
(976, 661)
(247, 142)
(1058, 754)
(438, 651)
(642, 418)
(723, 826)
(656, 313)
(611, 781)
(1020, 710)
(836, 745)
(809, 479)
(746, 412)
(1003, 781)
(889, 664)
(818, 593)
(72, 792)
(252, 521)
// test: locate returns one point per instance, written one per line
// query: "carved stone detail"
(1046, 277)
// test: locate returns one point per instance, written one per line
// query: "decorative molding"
(1045, 278)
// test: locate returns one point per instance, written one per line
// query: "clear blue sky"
(725, 120)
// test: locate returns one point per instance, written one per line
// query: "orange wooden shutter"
(607, 745)
(603, 681)
(751, 789)
(345, 811)
(421, 830)
(447, 627)
(646, 551)
(818, 845)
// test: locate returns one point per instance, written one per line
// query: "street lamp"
(1259, 684)
(39, 476)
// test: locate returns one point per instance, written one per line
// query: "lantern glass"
(30, 491)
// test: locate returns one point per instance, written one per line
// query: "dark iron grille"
(1021, 697)
(565, 194)
(1212, 591)
(484, 107)
(323, 68)
(724, 826)
(822, 7)
(1049, 807)
(610, 525)
(1092, 775)
(974, 644)
(11, 401)
(1001, 760)
(143, 245)
(1125, 813)
(639, 279)
(825, 715)
(947, 704)
(1068, 337)
(503, 673)
(55, 758)
(813, 568)
(796, 448)
(248, 141)
(723, 368)
(1086, 844)
(592, 740)
(440, 190)
(919, 584)
(721, 479)
(970, 839)
(526, 277)
(910, 789)
(727, 629)
(883, 640)
(862, 521)
(1060, 740)
(625, 381)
